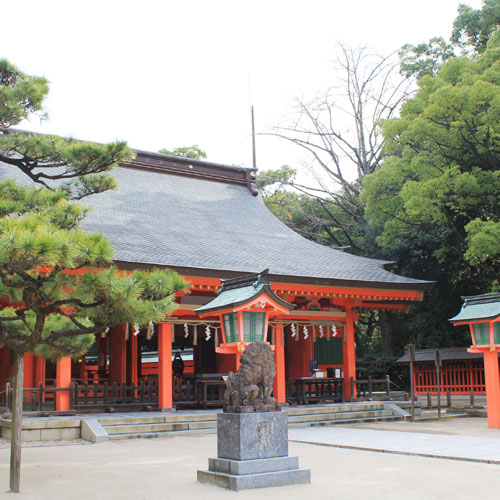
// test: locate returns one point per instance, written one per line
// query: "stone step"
(182, 423)
(347, 421)
(307, 410)
(143, 435)
(161, 427)
(338, 416)
(170, 418)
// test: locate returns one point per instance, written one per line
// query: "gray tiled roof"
(182, 221)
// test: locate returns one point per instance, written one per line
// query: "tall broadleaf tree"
(57, 283)
(441, 177)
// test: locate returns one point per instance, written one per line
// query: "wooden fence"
(371, 388)
(457, 378)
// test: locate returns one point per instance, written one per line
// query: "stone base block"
(248, 436)
(240, 467)
(248, 481)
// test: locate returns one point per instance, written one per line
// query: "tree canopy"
(194, 152)
(472, 29)
(442, 173)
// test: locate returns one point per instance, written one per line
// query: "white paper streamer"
(334, 330)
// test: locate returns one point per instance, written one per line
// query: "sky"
(173, 73)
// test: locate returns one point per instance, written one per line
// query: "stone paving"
(470, 448)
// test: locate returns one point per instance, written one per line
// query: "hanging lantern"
(244, 306)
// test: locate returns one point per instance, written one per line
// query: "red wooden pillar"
(132, 377)
(63, 381)
(39, 371)
(350, 354)
(492, 379)
(29, 370)
(279, 387)
(165, 366)
(118, 354)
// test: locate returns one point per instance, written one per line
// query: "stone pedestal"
(252, 450)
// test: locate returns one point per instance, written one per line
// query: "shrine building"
(209, 223)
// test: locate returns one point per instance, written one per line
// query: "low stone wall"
(41, 429)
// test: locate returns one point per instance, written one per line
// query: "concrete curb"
(92, 430)
(397, 410)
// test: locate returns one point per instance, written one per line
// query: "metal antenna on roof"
(253, 140)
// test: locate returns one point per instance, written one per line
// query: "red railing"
(457, 378)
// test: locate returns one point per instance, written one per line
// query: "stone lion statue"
(251, 387)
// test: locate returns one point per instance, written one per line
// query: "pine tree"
(58, 282)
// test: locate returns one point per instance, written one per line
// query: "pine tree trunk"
(17, 423)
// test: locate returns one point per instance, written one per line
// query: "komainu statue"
(250, 389)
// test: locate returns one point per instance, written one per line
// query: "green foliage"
(442, 175)
(194, 152)
(20, 94)
(52, 274)
(471, 31)
(424, 58)
(473, 28)
(78, 167)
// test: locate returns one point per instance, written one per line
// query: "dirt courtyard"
(165, 468)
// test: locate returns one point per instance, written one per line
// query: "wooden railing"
(371, 388)
(87, 396)
(306, 390)
(206, 391)
(35, 399)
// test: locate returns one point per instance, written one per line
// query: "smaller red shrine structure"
(209, 223)
(461, 371)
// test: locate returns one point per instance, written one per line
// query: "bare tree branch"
(339, 130)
